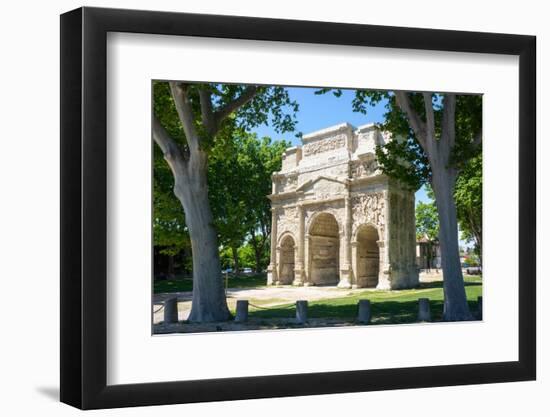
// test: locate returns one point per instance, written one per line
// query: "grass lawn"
(186, 284)
(387, 307)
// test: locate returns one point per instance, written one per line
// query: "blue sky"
(321, 111)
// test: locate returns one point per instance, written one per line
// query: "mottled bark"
(455, 305)
(189, 166)
(443, 181)
(208, 302)
(171, 272)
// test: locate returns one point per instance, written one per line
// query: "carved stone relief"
(369, 208)
(324, 145)
(287, 221)
(364, 168)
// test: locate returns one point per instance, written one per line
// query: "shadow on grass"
(186, 284)
(382, 312)
(439, 284)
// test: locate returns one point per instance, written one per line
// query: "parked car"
(473, 270)
(247, 270)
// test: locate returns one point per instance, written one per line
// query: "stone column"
(384, 246)
(299, 261)
(278, 265)
(354, 271)
(307, 267)
(383, 266)
(345, 269)
(272, 276)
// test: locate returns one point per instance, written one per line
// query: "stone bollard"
(424, 310)
(301, 311)
(171, 310)
(480, 308)
(242, 311)
(364, 311)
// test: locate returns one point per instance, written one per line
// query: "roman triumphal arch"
(337, 219)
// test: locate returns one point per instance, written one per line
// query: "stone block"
(171, 310)
(301, 311)
(242, 311)
(363, 315)
(424, 313)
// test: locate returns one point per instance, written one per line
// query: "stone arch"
(367, 258)
(287, 245)
(324, 249)
(313, 217)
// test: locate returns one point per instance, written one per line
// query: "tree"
(259, 159)
(468, 196)
(229, 207)
(427, 222)
(442, 132)
(170, 235)
(188, 120)
(239, 178)
(427, 226)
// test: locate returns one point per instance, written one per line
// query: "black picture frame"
(84, 207)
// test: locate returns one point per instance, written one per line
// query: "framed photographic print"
(257, 208)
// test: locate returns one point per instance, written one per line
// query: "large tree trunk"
(209, 303)
(258, 249)
(171, 273)
(258, 255)
(455, 305)
(189, 167)
(439, 153)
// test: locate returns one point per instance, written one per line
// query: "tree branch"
(185, 113)
(448, 131)
(247, 95)
(168, 146)
(418, 126)
(207, 114)
(430, 118)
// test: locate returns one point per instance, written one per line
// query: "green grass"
(387, 307)
(186, 284)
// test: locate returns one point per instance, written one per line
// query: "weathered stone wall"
(335, 175)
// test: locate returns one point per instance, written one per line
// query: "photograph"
(298, 207)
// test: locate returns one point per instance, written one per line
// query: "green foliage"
(239, 178)
(408, 161)
(240, 165)
(169, 230)
(269, 105)
(468, 194)
(427, 221)
(165, 110)
(471, 260)
(404, 159)
(246, 256)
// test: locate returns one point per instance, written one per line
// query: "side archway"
(367, 259)
(287, 259)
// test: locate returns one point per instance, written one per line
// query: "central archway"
(368, 257)
(324, 250)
